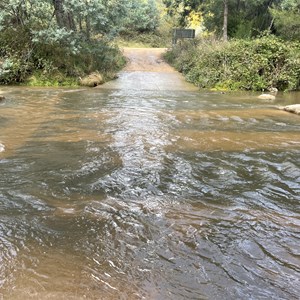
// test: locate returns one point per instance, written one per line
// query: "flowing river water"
(146, 188)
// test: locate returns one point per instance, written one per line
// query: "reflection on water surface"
(127, 194)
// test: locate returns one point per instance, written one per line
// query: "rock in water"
(272, 96)
(2, 98)
(267, 97)
(2, 148)
(294, 108)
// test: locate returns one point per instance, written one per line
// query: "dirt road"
(146, 70)
(146, 59)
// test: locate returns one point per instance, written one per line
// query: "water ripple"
(149, 195)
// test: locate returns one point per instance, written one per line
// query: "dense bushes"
(240, 64)
(151, 39)
(56, 42)
(60, 61)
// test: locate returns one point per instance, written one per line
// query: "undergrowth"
(256, 64)
(23, 61)
(143, 40)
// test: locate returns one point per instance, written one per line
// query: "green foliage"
(39, 78)
(287, 20)
(59, 39)
(144, 40)
(54, 59)
(140, 27)
(246, 18)
(12, 70)
(181, 9)
(241, 64)
(15, 61)
(142, 16)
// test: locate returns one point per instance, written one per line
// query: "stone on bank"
(92, 80)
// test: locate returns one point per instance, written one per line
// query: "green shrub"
(143, 40)
(25, 59)
(240, 64)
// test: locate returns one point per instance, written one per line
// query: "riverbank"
(57, 66)
(252, 65)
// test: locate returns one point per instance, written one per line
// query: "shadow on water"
(128, 194)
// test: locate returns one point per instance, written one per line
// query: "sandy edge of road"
(146, 59)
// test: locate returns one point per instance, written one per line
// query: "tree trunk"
(63, 19)
(80, 24)
(59, 12)
(87, 22)
(88, 28)
(71, 22)
(225, 23)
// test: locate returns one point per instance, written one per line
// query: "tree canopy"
(240, 18)
(287, 19)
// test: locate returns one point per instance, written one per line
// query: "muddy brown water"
(148, 189)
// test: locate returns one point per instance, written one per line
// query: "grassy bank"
(256, 64)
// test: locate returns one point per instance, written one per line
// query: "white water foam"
(2, 148)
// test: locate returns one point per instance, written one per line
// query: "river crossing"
(146, 188)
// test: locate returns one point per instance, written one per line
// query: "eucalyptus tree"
(238, 18)
(44, 33)
(183, 8)
(233, 18)
(287, 19)
(90, 17)
(142, 16)
(39, 34)
(106, 17)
